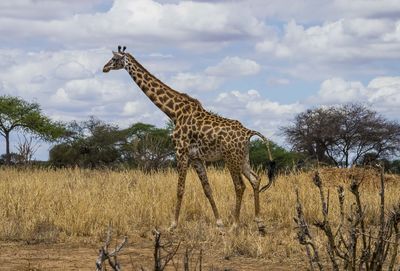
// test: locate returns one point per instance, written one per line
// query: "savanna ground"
(57, 219)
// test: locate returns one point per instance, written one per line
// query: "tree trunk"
(8, 156)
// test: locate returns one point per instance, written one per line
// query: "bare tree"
(343, 135)
(343, 245)
(26, 148)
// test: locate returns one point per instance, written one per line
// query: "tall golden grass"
(59, 205)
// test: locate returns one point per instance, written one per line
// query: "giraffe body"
(198, 136)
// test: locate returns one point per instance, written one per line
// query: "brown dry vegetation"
(71, 209)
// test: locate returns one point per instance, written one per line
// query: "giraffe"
(199, 136)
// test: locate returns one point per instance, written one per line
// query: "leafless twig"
(343, 246)
(304, 235)
(160, 262)
(111, 257)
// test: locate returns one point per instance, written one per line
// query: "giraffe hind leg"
(255, 180)
(239, 190)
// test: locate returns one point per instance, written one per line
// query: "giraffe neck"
(165, 98)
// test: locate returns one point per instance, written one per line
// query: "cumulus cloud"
(335, 41)
(234, 66)
(255, 111)
(194, 82)
(141, 22)
(72, 70)
(254, 104)
(47, 9)
(69, 85)
(338, 48)
(381, 93)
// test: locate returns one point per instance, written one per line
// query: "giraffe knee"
(240, 187)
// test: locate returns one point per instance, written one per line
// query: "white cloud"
(46, 9)
(381, 93)
(141, 22)
(278, 81)
(234, 66)
(337, 90)
(212, 77)
(194, 82)
(69, 85)
(255, 111)
(72, 70)
(342, 40)
(334, 49)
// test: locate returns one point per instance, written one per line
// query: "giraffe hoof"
(260, 226)
(220, 224)
(261, 230)
(172, 227)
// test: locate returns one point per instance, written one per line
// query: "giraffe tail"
(270, 165)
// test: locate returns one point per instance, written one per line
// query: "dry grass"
(74, 204)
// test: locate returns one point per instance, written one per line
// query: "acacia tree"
(17, 114)
(148, 147)
(92, 143)
(343, 135)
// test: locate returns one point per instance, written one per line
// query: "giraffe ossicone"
(199, 136)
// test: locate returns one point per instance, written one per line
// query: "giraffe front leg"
(182, 170)
(201, 172)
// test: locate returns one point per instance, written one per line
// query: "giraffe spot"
(205, 128)
(170, 104)
(185, 110)
(163, 99)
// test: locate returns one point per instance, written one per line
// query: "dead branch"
(160, 262)
(343, 246)
(111, 257)
(304, 235)
(325, 224)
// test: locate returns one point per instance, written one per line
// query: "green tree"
(148, 147)
(17, 114)
(92, 143)
(284, 159)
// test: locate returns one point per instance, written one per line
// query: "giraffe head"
(117, 62)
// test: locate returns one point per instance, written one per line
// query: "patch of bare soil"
(136, 255)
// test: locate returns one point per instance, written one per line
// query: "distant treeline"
(340, 136)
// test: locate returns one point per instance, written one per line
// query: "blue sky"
(260, 62)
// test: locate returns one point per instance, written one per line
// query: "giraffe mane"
(184, 95)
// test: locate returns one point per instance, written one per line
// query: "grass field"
(72, 208)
